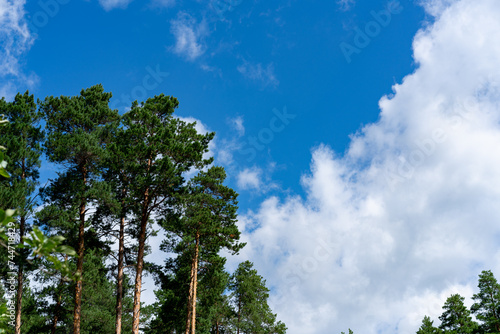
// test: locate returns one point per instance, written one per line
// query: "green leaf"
(4, 173)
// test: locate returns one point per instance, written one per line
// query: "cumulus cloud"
(258, 73)
(250, 178)
(188, 34)
(112, 4)
(16, 41)
(409, 215)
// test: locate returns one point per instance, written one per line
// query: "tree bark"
(140, 264)
(79, 265)
(191, 312)
(190, 299)
(119, 278)
(195, 282)
(56, 315)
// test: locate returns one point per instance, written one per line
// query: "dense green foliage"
(117, 175)
(487, 303)
(249, 297)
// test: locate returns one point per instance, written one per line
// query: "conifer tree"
(487, 302)
(22, 137)
(171, 308)
(250, 294)
(427, 327)
(78, 129)
(98, 305)
(117, 208)
(456, 317)
(34, 316)
(214, 309)
(161, 148)
(208, 224)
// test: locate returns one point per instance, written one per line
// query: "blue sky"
(241, 62)
(362, 136)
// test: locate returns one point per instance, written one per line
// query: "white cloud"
(199, 126)
(257, 72)
(237, 124)
(250, 178)
(410, 213)
(16, 41)
(112, 4)
(188, 34)
(201, 129)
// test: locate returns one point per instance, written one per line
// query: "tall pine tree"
(22, 137)
(117, 209)
(78, 129)
(161, 148)
(208, 224)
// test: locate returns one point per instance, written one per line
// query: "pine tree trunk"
(19, 296)
(140, 264)
(190, 299)
(195, 282)
(119, 278)
(56, 315)
(79, 265)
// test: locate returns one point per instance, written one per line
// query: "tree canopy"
(120, 178)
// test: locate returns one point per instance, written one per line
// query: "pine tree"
(78, 129)
(171, 307)
(161, 148)
(117, 208)
(208, 224)
(456, 317)
(214, 313)
(427, 327)
(214, 310)
(34, 315)
(22, 138)
(54, 302)
(98, 306)
(250, 294)
(487, 305)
